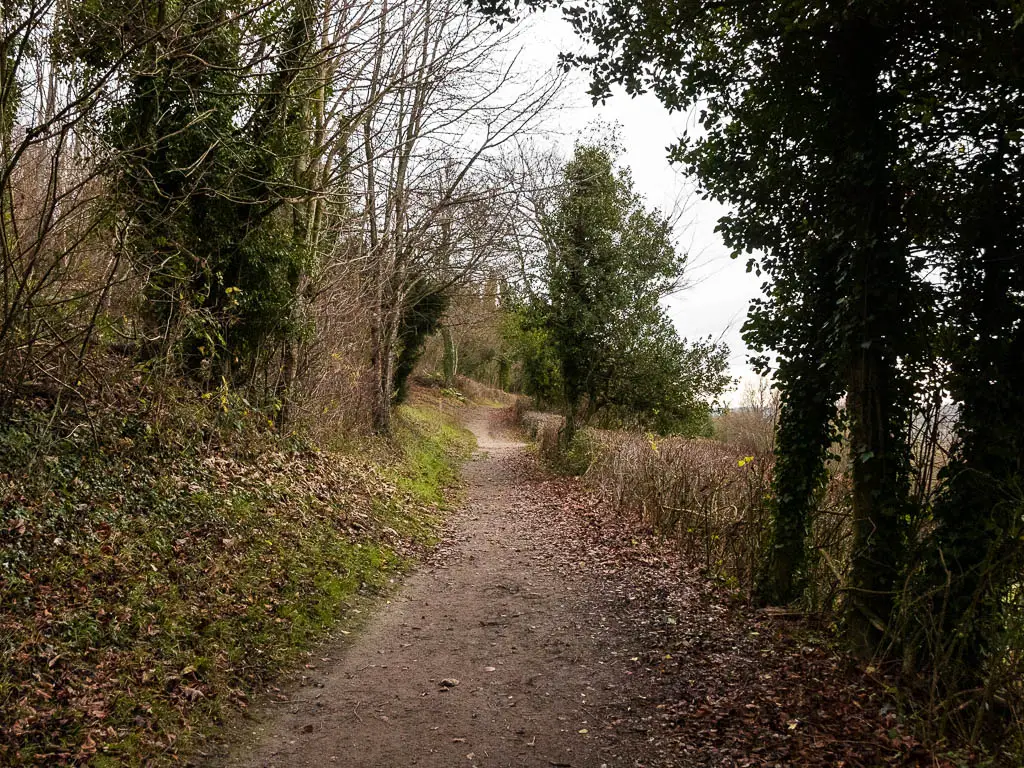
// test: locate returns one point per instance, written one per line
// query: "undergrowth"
(712, 497)
(152, 577)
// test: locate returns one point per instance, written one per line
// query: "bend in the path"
(491, 436)
(487, 656)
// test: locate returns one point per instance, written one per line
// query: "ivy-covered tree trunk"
(978, 555)
(803, 436)
(574, 322)
(422, 309)
(449, 359)
(871, 325)
(879, 496)
(299, 129)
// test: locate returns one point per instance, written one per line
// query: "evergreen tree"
(609, 264)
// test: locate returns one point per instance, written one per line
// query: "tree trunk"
(879, 499)
(873, 322)
(449, 362)
(978, 557)
(803, 437)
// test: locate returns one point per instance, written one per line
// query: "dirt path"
(548, 631)
(491, 654)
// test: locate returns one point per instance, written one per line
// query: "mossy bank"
(153, 577)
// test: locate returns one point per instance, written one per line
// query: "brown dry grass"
(484, 393)
(711, 496)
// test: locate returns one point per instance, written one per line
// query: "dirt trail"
(577, 637)
(489, 655)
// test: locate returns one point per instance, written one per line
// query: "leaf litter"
(712, 681)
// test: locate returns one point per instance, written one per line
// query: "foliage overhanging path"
(488, 656)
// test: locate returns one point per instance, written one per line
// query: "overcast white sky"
(721, 290)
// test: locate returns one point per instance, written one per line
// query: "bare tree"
(57, 265)
(446, 98)
(393, 120)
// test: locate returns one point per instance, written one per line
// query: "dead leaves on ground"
(139, 594)
(713, 682)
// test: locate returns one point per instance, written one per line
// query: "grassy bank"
(153, 575)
